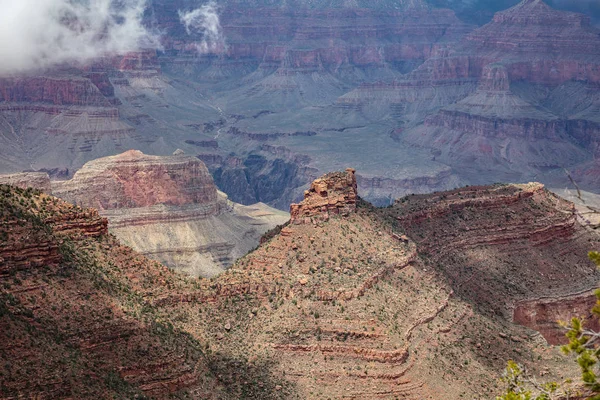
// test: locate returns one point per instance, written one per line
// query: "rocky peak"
(332, 194)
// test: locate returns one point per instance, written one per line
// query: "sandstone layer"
(169, 209)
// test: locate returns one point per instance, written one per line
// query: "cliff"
(527, 236)
(57, 91)
(169, 209)
(496, 126)
(133, 179)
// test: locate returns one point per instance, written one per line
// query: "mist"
(204, 21)
(38, 34)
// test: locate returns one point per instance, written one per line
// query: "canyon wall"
(168, 208)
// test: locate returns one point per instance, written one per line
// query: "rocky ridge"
(73, 322)
(317, 296)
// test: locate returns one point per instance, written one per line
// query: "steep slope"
(74, 322)
(169, 209)
(345, 306)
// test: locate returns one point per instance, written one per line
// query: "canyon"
(146, 249)
(414, 97)
(430, 295)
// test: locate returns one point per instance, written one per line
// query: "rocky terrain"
(431, 295)
(355, 302)
(169, 209)
(74, 322)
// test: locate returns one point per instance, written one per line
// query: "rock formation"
(133, 180)
(495, 126)
(334, 194)
(497, 229)
(544, 314)
(330, 299)
(73, 322)
(168, 208)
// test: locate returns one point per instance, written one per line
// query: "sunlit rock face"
(170, 209)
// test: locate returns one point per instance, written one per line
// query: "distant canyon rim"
(415, 98)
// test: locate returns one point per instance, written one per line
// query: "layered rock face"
(58, 91)
(333, 194)
(133, 179)
(45, 119)
(495, 232)
(169, 209)
(519, 133)
(495, 126)
(72, 292)
(543, 314)
(308, 38)
(20, 249)
(536, 42)
(24, 180)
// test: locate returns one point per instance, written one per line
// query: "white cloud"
(205, 21)
(37, 34)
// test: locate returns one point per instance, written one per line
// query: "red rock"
(133, 179)
(543, 315)
(333, 194)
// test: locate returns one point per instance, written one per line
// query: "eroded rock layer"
(503, 244)
(168, 208)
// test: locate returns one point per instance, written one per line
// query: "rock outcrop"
(133, 179)
(544, 315)
(169, 209)
(333, 194)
